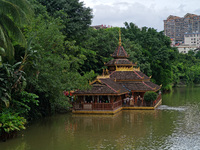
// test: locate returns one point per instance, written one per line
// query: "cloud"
(118, 13)
(197, 11)
(142, 13)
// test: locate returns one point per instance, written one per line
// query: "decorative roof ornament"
(107, 72)
(127, 68)
(120, 39)
(119, 51)
(103, 77)
(124, 68)
(95, 81)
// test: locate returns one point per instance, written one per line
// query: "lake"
(174, 125)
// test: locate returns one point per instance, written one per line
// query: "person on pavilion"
(139, 100)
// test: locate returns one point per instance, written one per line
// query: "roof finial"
(120, 40)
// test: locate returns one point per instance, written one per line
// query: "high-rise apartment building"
(176, 27)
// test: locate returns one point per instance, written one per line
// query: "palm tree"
(13, 14)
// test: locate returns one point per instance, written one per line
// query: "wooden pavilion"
(118, 88)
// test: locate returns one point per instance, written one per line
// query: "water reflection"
(176, 125)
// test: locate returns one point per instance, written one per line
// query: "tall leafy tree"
(103, 42)
(75, 16)
(156, 50)
(53, 62)
(13, 15)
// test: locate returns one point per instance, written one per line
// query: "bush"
(11, 122)
(150, 96)
(168, 87)
(23, 102)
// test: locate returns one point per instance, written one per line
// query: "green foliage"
(11, 122)
(74, 15)
(48, 65)
(150, 96)
(197, 55)
(136, 55)
(168, 88)
(101, 43)
(187, 68)
(23, 101)
(55, 64)
(13, 15)
(155, 57)
(14, 102)
(11, 80)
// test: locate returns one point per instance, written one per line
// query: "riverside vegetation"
(48, 47)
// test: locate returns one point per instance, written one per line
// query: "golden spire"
(120, 40)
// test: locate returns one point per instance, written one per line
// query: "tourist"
(139, 100)
(159, 92)
(132, 100)
(124, 100)
(127, 100)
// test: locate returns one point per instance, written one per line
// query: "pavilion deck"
(112, 108)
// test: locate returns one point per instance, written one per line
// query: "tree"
(137, 55)
(156, 53)
(103, 42)
(13, 15)
(53, 63)
(74, 15)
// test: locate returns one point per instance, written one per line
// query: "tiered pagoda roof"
(117, 62)
(129, 76)
(124, 78)
(120, 52)
(120, 57)
(104, 86)
(140, 86)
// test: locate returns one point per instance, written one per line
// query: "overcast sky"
(149, 13)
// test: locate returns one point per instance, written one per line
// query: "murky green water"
(175, 125)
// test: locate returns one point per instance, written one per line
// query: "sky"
(149, 13)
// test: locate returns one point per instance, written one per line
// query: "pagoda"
(117, 88)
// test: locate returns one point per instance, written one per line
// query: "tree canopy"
(74, 15)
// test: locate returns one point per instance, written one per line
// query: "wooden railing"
(97, 106)
(157, 100)
(112, 106)
(102, 106)
(117, 104)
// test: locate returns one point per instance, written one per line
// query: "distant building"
(191, 42)
(101, 26)
(192, 39)
(176, 27)
(186, 48)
